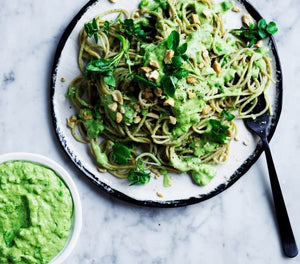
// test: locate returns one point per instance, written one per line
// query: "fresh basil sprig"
(253, 34)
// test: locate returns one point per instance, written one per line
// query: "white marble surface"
(237, 226)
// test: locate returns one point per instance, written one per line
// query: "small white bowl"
(64, 175)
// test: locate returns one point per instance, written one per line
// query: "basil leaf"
(169, 85)
(272, 28)
(217, 131)
(173, 40)
(227, 115)
(183, 48)
(109, 79)
(262, 24)
(144, 81)
(138, 177)
(121, 153)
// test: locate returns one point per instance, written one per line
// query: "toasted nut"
(169, 101)
(246, 142)
(63, 79)
(200, 65)
(247, 19)
(102, 170)
(168, 56)
(113, 106)
(205, 54)
(206, 109)
(154, 63)
(207, 13)
(117, 96)
(73, 118)
(159, 194)
(217, 67)
(191, 79)
(146, 69)
(152, 115)
(172, 120)
(119, 117)
(259, 44)
(236, 138)
(195, 19)
(191, 95)
(70, 123)
(148, 94)
(137, 119)
(236, 9)
(158, 92)
(112, 1)
(136, 107)
(122, 110)
(153, 76)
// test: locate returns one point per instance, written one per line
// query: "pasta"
(160, 89)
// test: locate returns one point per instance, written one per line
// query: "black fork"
(259, 126)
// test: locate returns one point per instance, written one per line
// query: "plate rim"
(239, 172)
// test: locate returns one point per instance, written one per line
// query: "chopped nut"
(247, 19)
(169, 101)
(119, 117)
(112, 1)
(152, 115)
(259, 44)
(200, 65)
(191, 95)
(168, 56)
(207, 13)
(70, 123)
(158, 92)
(236, 9)
(63, 79)
(217, 67)
(117, 96)
(205, 54)
(113, 106)
(73, 118)
(159, 194)
(236, 138)
(206, 109)
(137, 119)
(122, 110)
(146, 69)
(136, 107)
(153, 76)
(246, 142)
(191, 79)
(148, 94)
(172, 120)
(154, 63)
(195, 19)
(102, 170)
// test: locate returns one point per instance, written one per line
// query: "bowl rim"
(65, 176)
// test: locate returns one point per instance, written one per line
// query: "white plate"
(183, 191)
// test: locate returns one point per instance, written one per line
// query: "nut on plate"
(170, 101)
(168, 56)
(247, 19)
(119, 117)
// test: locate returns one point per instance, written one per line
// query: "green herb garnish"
(131, 30)
(217, 131)
(138, 177)
(92, 29)
(121, 153)
(144, 81)
(70, 94)
(253, 34)
(227, 115)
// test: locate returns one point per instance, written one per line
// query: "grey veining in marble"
(237, 226)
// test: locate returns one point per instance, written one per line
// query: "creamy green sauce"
(35, 213)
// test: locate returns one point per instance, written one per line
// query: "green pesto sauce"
(35, 213)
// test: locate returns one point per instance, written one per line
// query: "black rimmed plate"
(183, 191)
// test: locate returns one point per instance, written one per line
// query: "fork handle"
(286, 233)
